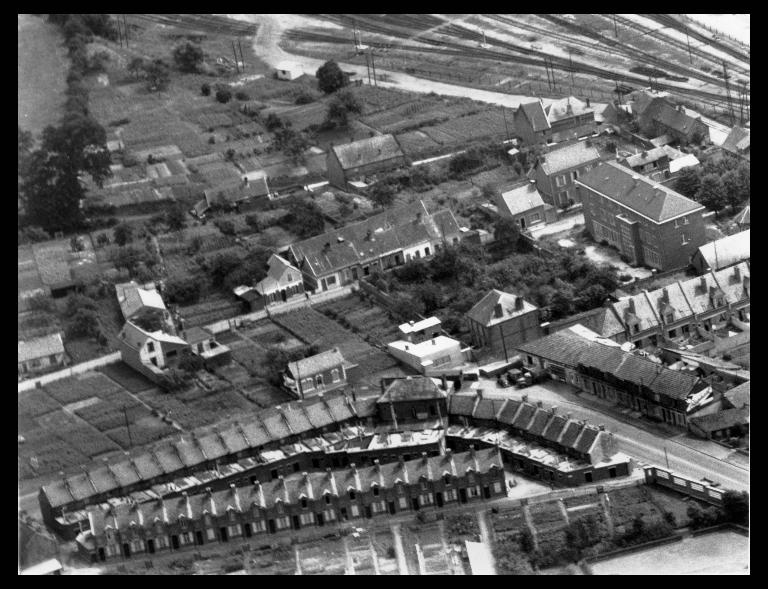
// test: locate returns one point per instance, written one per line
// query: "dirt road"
(272, 26)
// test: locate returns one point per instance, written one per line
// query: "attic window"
(447, 479)
(669, 317)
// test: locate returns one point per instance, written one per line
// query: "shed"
(287, 71)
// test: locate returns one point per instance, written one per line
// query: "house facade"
(500, 321)
(410, 399)
(561, 120)
(649, 223)
(661, 117)
(523, 204)
(284, 282)
(293, 503)
(316, 374)
(434, 356)
(420, 331)
(652, 162)
(352, 161)
(41, 354)
(721, 253)
(557, 171)
(149, 352)
(143, 305)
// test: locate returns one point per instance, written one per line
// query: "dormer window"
(471, 478)
(303, 502)
(231, 515)
(635, 327)
(352, 494)
(375, 490)
(327, 498)
(669, 317)
(279, 506)
(447, 479)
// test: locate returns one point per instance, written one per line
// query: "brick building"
(294, 502)
(649, 223)
(356, 160)
(500, 321)
(652, 162)
(661, 117)
(283, 283)
(556, 172)
(561, 120)
(523, 204)
(414, 398)
(317, 374)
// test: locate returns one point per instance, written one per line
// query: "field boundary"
(33, 383)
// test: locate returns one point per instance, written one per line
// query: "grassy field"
(43, 65)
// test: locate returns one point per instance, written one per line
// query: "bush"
(330, 77)
(188, 57)
(253, 222)
(242, 95)
(736, 507)
(273, 122)
(225, 226)
(75, 301)
(182, 291)
(205, 89)
(191, 363)
(223, 95)
(85, 323)
(304, 97)
(123, 234)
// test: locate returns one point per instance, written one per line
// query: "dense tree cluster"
(343, 104)
(718, 183)
(330, 77)
(188, 57)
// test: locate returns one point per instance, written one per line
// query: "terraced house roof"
(412, 388)
(569, 156)
(316, 364)
(667, 114)
(653, 201)
(40, 347)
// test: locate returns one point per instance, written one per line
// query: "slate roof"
(367, 151)
(698, 297)
(509, 410)
(133, 298)
(643, 311)
(316, 364)
(732, 280)
(675, 301)
(564, 347)
(536, 115)
(411, 388)
(737, 141)
(540, 421)
(721, 420)
(569, 156)
(571, 433)
(40, 347)
(524, 417)
(727, 250)
(638, 193)
(588, 436)
(488, 408)
(558, 110)
(237, 191)
(738, 396)
(645, 157)
(484, 311)
(555, 428)
(462, 405)
(520, 199)
(662, 111)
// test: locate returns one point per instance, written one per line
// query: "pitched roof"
(721, 420)
(488, 408)
(726, 251)
(524, 416)
(734, 281)
(645, 157)
(484, 312)
(638, 193)
(536, 115)
(316, 364)
(639, 308)
(588, 436)
(566, 108)
(738, 396)
(367, 151)
(135, 337)
(670, 298)
(555, 428)
(133, 298)
(462, 405)
(571, 433)
(540, 420)
(237, 190)
(413, 327)
(509, 410)
(41, 347)
(563, 346)
(667, 114)
(411, 388)
(569, 156)
(737, 141)
(520, 199)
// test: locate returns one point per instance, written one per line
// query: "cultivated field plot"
(37, 402)
(83, 386)
(302, 116)
(508, 521)
(362, 317)
(326, 557)
(547, 516)
(415, 142)
(266, 333)
(361, 554)
(212, 310)
(127, 377)
(436, 560)
(419, 112)
(43, 452)
(384, 544)
(472, 127)
(627, 504)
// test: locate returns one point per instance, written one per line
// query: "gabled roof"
(412, 388)
(414, 327)
(734, 281)
(653, 201)
(721, 420)
(737, 141)
(316, 364)
(738, 396)
(639, 308)
(536, 115)
(509, 411)
(726, 251)
(566, 108)
(563, 346)
(237, 191)
(569, 156)
(662, 111)
(133, 298)
(462, 405)
(487, 408)
(670, 298)
(41, 347)
(484, 312)
(367, 151)
(135, 337)
(645, 157)
(697, 291)
(520, 199)
(540, 420)
(278, 266)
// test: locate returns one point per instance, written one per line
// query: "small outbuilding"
(287, 71)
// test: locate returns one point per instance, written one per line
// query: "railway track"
(670, 21)
(698, 51)
(521, 55)
(200, 22)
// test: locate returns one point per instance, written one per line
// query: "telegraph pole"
(615, 28)
(728, 91)
(570, 61)
(119, 32)
(368, 67)
(234, 52)
(504, 114)
(242, 59)
(373, 67)
(666, 457)
(125, 29)
(127, 426)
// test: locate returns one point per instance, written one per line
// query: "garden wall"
(67, 372)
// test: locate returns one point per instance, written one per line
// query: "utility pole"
(504, 114)
(728, 91)
(119, 32)
(688, 40)
(368, 67)
(373, 67)
(125, 29)
(615, 28)
(127, 426)
(503, 343)
(666, 457)
(234, 52)
(242, 59)
(570, 61)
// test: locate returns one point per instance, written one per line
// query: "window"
(304, 503)
(450, 495)
(330, 280)
(560, 180)
(319, 380)
(417, 255)
(259, 526)
(375, 490)
(308, 384)
(426, 499)
(575, 175)
(471, 478)
(233, 530)
(273, 473)
(335, 375)
(651, 257)
(403, 502)
(685, 220)
(352, 494)
(535, 217)
(563, 197)
(327, 498)
(307, 518)
(426, 251)
(683, 240)
(171, 353)
(282, 522)
(288, 277)
(447, 479)
(211, 534)
(497, 487)
(355, 511)
(153, 360)
(329, 515)
(296, 467)
(670, 317)
(279, 506)
(150, 347)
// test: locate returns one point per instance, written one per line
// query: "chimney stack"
(601, 427)
(532, 186)
(736, 274)
(665, 294)
(568, 416)
(434, 343)
(587, 102)
(553, 409)
(540, 404)
(498, 311)
(525, 398)
(443, 383)
(703, 284)
(479, 394)
(632, 306)
(424, 457)
(518, 303)
(449, 453)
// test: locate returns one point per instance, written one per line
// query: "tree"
(158, 75)
(225, 226)
(330, 77)
(736, 185)
(291, 143)
(736, 507)
(506, 232)
(123, 233)
(304, 219)
(205, 89)
(511, 562)
(190, 363)
(176, 217)
(339, 109)
(273, 122)
(711, 193)
(242, 95)
(136, 66)
(688, 182)
(182, 290)
(51, 187)
(526, 540)
(188, 57)
(85, 323)
(221, 266)
(253, 222)
(223, 95)
(383, 194)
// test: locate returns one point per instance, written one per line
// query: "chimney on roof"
(327, 246)
(587, 102)
(531, 185)
(680, 108)
(498, 311)
(736, 274)
(434, 343)
(424, 457)
(418, 217)
(525, 398)
(553, 409)
(601, 427)
(568, 107)
(665, 295)
(703, 284)
(518, 303)
(479, 394)
(540, 403)
(406, 347)
(746, 284)
(245, 180)
(443, 383)
(184, 494)
(208, 491)
(472, 451)
(411, 323)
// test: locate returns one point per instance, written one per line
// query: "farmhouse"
(381, 242)
(647, 222)
(561, 120)
(523, 204)
(356, 160)
(500, 321)
(661, 117)
(294, 502)
(316, 374)
(722, 253)
(40, 354)
(556, 172)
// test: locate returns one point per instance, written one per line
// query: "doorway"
(463, 495)
(486, 492)
(151, 546)
(102, 555)
(296, 524)
(224, 536)
(439, 499)
(415, 504)
(522, 222)
(248, 531)
(175, 542)
(126, 550)
(391, 506)
(272, 526)
(199, 537)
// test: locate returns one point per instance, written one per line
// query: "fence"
(665, 478)
(67, 372)
(640, 283)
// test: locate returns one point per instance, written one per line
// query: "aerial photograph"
(383, 294)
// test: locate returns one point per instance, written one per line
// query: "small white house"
(287, 71)
(431, 356)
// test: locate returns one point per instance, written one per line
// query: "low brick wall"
(662, 477)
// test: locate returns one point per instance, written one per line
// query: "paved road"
(645, 443)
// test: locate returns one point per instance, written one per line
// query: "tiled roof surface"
(738, 396)
(698, 297)
(721, 420)
(488, 408)
(569, 156)
(524, 417)
(645, 157)
(735, 142)
(643, 311)
(40, 347)
(540, 421)
(566, 108)
(462, 405)
(727, 250)
(374, 149)
(638, 193)
(563, 346)
(484, 311)
(412, 388)
(675, 301)
(534, 112)
(316, 364)
(520, 199)
(571, 433)
(662, 111)
(731, 281)
(555, 428)
(509, 410)
(588, 436)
